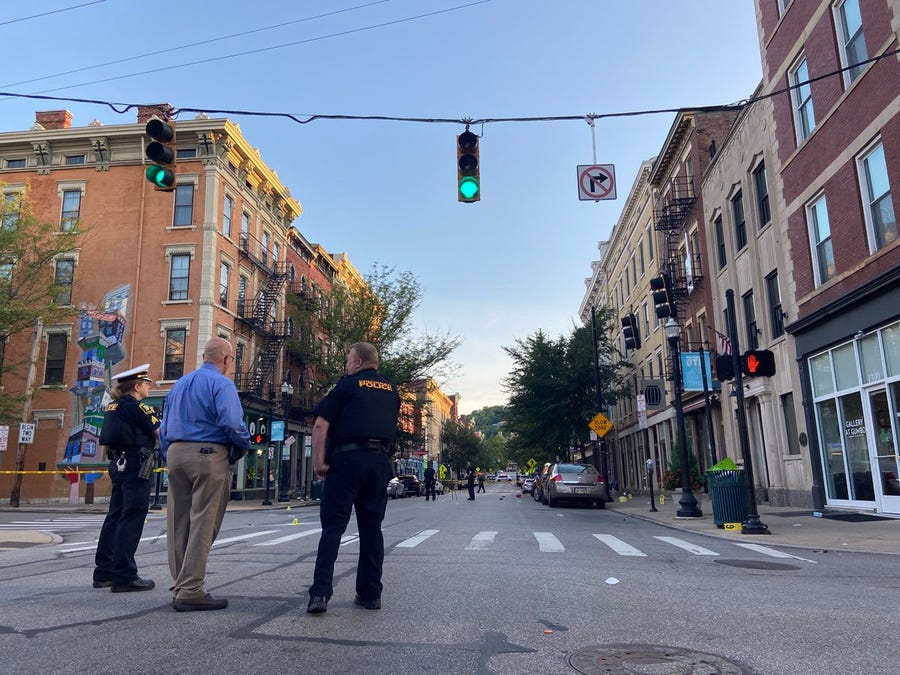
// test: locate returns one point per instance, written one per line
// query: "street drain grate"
(757, 564)
(652, 660)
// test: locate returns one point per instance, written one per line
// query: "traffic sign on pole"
(600, 424)
(596, 182)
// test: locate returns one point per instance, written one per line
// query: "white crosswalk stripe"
(242, 537)
(620, 546)
(765, 550)
(481, 540)
(289, 537)
(687, 546)
(412, 542)
(548, 543)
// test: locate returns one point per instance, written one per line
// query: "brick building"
(218, 255)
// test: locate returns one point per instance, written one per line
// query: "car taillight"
(557, 478)
(599, 478)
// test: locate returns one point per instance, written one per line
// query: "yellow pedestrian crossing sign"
(531, 465)
(600, 424)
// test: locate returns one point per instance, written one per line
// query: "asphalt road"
(501, 585)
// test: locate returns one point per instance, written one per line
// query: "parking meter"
(649, 467)
(650, 481)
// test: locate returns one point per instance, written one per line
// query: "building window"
(11, 207)
(720, 243)
(276, 250)
(740, 225)
(245, 231)
(224, 276)
(242, 295)
(790, 423)
(55, 368)
(265, 248)
(226, 216)
(762, 194)
(179, 274)
(878, 203)
(783, 5)
(71, 210)
(18, 163)
(184, 204)
(239, 351)
(641, 256)
(801, 95)
(820, 236)
(773, 292)
(186, 153)
(750, 321)
(62, 279)
(173, 366)
(695, 254)
(72, 160)
(649, 243)
(851, 41)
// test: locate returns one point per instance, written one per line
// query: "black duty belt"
(367, 444)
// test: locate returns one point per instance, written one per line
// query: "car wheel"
(600, 503)
(551, 502)
(536, 495)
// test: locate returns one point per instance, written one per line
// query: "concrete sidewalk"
(788, 526)
(18, 539)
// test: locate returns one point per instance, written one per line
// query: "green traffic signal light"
(160, 176)
(468, 187)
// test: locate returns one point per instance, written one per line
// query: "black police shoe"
(318, 604)
(367, 604)
(136, 585)
(102, 583)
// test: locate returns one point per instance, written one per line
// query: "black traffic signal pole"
(752, 525)
(599, 443)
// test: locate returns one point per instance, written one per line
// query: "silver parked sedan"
(576, 483)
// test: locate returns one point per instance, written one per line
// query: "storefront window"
(870, 358)
(891, 337)
(832, 449)
(820, 367)
(845, 367)
(857, 448)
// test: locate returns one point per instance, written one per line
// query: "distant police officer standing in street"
(130, 431)
(430, 481)
(358, 418)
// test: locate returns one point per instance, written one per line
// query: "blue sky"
(384, 192)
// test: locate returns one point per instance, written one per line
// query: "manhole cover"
(757, 564)
(651, 660)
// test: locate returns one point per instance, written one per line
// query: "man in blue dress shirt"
(202, 421)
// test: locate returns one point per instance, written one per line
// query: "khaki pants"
(199, 485)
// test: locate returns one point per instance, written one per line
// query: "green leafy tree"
(28, 289)
(489, 420)
(462, 445)
(552, 392)
(380, 313)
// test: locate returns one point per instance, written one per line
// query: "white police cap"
(142, 372)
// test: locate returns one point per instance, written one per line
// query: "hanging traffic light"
(468, 173)
(724, 368)
(161, 152)
(631, 332)
(758, 363)
(661, 291)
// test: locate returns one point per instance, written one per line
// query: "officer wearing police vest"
(358, 420)
(130, 432)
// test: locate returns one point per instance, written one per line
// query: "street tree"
(462, 445)
(30, 292)
(552, 392)
(381, 312)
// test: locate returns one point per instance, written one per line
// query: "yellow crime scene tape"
(68, 472)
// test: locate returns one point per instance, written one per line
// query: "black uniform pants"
(124, 523)
(471, 486)
(429, 490)
(356, 479)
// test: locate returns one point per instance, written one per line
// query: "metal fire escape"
(671, 214)
(257, 317)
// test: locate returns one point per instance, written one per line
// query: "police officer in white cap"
(130, 432)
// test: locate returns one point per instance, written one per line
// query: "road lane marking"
(620, 546)
(289, 537)
(481, 540)
(765, 550)
(687, 546)
(349, 539)
(412, 542)
(547, 543)
(241, 537)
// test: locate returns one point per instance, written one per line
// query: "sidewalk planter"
(728, 492)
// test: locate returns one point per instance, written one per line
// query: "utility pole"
(16, 493)
(599, 444)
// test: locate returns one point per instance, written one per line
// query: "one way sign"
(596, 181)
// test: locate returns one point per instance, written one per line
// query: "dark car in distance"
(411, 485)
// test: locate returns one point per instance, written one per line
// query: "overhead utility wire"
(192, 44)
(125, 107)
(55, 11)
(260, 50)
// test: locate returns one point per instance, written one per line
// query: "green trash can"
(315, 489)
(728, 493)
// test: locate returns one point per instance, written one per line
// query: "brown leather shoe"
(205, 604)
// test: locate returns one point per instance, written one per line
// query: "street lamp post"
(287, 393)
(689, 508)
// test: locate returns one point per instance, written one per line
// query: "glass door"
(887, 448)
